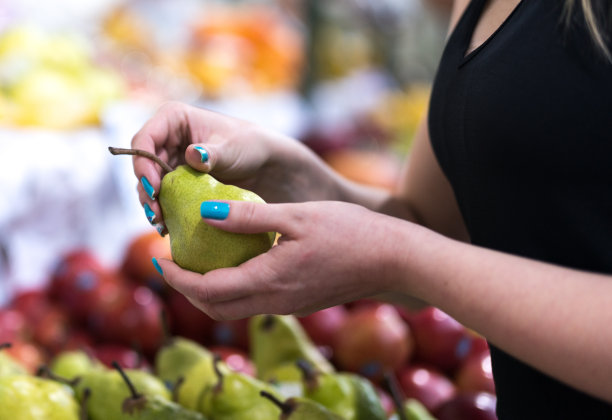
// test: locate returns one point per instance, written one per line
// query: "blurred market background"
(350, 78)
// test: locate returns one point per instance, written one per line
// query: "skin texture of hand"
(238, 152)
(329, 253)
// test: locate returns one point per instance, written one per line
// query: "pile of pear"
(294, 381)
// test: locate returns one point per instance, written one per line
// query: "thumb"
(201, 157)
(246, 216)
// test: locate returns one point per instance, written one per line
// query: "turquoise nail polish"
(157, 266)
(214, 210)
(203, 153)
(148, 187)
(160, 229)
(149, 213)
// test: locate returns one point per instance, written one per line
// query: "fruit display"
(115, 346)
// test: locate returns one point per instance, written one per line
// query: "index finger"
(161, 133)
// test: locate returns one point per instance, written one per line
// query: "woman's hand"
(329, 253)
(234, 151)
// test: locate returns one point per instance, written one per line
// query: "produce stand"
(348, 78)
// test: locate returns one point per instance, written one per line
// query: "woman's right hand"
(234, 151)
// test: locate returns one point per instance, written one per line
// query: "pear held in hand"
(195, 245)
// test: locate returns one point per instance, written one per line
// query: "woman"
(504, 218)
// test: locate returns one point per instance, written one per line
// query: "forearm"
(550, 317)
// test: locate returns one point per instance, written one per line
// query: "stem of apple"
(5, 346)
(285, 408)
(143, 153)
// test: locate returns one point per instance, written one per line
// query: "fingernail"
(160, 229)
(203, 153)
(149, 213)
(148, 187)
(214, 210)
(157, 266)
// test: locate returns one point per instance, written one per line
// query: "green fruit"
(280, 340)
(297, 408)
(26, 397)
(236, 396)
(70, 364)
(176, 357)
(195, 245)
(10, 366)
(108, 391)
(346, 394)
(158, 408)
(196, 380)
(414, 410)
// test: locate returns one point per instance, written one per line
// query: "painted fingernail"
(157, 266)
(148, 187)
(214, 210)
(203, 153)
(160, 229)
(149, 213)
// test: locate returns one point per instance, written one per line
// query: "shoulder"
(458, 7)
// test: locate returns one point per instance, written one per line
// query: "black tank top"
(522, 128)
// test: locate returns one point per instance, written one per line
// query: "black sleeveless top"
(522, 128)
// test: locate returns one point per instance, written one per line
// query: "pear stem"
(309, 373)
(143, 153)
(285, 408)
(5, 346)
(44, 372)
(396, 395)
(219, 384)
(83, 408)
(126, 379)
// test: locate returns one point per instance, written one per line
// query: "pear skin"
(278, 340)
(195, 245)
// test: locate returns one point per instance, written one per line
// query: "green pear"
(8, 364)
(236, 396)
(139, 406)
(195, 245)
(104, 391)
(414, 410)
(176, 357)
(347, 394)
(299, 408)
(197, 379)
(28, 397)
(277, 340)
(74, 363)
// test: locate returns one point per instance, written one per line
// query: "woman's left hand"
(328, 253)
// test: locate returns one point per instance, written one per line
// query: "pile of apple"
(125, 314)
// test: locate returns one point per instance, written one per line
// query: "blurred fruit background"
(349, 78)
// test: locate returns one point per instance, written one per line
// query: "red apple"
(137, 265)
(468, 406)
(13, 325)
(236, 359)
(32, 303)
(426, 384)
(439, 339)
(29, 354)
(127, 357)
(234, 333)
(373, 340)
(52, 329)
(187, 320)
(322, 326)
(68, 267)
(476, 374)
(135, 321)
